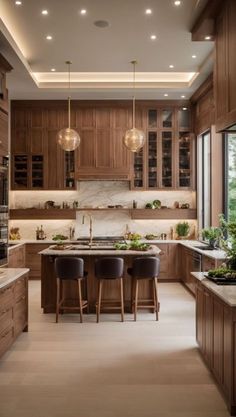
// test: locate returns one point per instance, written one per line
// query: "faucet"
(90, 227)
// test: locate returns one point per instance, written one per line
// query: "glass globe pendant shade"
(68, 139)
(134, 139)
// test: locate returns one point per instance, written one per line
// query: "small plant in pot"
(212, 235)
(182, 230)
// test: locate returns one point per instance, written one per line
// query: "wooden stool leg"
(132, 296)
(136, 300)
(80, 301)
(122, 298)
(58, 299)
(157, 303)
(154, 296)
(99, 299)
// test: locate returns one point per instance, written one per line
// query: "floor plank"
(110, 369)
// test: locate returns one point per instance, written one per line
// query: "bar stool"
(109, 269)
(69, 269)
(144, 268)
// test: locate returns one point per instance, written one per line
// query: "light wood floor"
(110, 369)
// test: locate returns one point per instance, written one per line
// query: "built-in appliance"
(3, 209)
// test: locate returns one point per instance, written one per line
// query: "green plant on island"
(228, 241)
(182, 229)
(59, 239)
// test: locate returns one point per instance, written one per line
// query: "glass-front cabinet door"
(152, 176)
(139, 169)
(184, 160)
(167, 159)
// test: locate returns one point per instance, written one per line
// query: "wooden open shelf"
(177, 214)
(60, 214)
(42, 214)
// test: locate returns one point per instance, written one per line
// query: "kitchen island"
(216, 333)
(89, 288)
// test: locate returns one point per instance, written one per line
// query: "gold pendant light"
(68, 138)
(134, 139)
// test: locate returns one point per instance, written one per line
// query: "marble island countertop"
(191, 244)
(226, 293)
(9, 275)
(99, 250)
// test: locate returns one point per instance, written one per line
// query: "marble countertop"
(214, 254)
(226, 293)
(80, 250)
(9, 275)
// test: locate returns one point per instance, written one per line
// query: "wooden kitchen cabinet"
(167, 159)
(4, 148)
(33, 259)
(16, 257)
(225, 67)
(169, 266)
(13, 311)
(215, 333)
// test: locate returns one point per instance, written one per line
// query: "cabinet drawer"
(6, 297)
(20, 288)
(6, 339)
(6, 318)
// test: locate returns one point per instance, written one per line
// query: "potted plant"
(212, 235)
(182, 229)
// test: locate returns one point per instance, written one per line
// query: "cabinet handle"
(5, 334)
(20, 299)
(3, 312)
(3, 291)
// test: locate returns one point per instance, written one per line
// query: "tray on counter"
(221, 280)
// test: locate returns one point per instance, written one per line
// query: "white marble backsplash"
(93, 194)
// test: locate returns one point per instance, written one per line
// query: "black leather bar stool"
(145, 268)
(69, 268)
(109, 269)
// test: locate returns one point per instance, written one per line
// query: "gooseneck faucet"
(90, 227)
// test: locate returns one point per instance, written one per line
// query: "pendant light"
(134, 139)
(68, 138)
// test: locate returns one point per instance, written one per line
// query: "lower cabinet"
(169, 269)
(216, 337)
(13, 311)
(33, 259)
(16, 257)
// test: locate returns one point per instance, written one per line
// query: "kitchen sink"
(93, 247)
(205, 247)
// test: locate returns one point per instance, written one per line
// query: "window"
(204, 180)
(230, 176)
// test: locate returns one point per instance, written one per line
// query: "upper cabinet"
(225, 67)
(4, 68)
(167, 159)
(102, 154)
(38, 162)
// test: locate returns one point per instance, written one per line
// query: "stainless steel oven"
(4, 166)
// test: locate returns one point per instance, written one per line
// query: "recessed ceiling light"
(185, 108)
(49, 37)
(148, 11)
(83, 11)
(183, 96)
(177, 3)
(171, 66)
(166, 95)
(44, 12)
(53, 69)
(207, 38)
(101, 24)
(153, 37)
(194, 56)
(18, 3)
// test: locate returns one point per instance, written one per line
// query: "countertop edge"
(9, 275)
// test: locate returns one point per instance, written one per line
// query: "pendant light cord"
(69, 64)
(134, 74)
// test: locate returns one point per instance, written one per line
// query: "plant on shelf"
(212, 235)
(182, 229)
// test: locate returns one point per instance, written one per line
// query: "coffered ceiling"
(169, 66)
